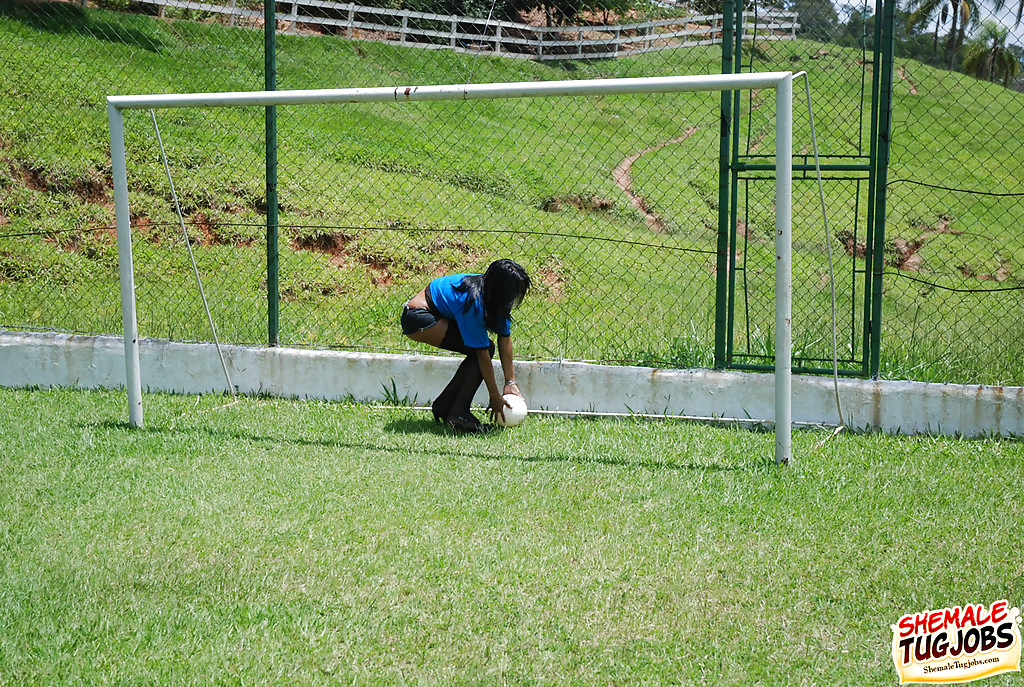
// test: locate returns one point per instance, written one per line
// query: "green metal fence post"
(723, 263)
(881, 144)
(734, 179)
(270, 84)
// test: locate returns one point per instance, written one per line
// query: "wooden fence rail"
(508, 39)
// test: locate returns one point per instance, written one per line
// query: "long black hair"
(502, 287)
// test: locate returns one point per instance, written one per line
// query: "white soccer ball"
(515, 414)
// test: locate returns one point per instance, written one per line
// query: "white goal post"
(782, 82)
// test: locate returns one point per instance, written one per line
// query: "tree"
(960, 12)
(818, 19)
(999, 4)
(617, 8)
(987, 57)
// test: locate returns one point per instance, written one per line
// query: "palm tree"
(987, 56)
(941, 21)
(999, 4)
(961, 11)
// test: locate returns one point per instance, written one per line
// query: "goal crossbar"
(781, 82)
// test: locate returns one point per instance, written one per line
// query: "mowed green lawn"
(287, 542)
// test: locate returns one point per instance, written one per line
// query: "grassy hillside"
(377, 199)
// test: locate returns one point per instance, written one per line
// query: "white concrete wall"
(62, 360)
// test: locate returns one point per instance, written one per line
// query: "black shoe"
(466, 423)
(441, 408)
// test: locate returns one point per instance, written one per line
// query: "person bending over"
(455, 313)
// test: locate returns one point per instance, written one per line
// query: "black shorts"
(417, 319)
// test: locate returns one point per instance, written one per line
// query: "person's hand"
(497, 406)
(512, 388)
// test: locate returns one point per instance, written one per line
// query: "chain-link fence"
(950, 270)
(611, 203)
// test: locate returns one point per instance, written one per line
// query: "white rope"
(828, 247)
(191, 255)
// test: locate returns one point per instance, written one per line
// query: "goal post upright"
(126, 267)
(783, 268)
(782, 82)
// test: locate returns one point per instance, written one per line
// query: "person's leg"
(452, 405)
(447, 406)
(442, 405)
(469, 379)
(421, 325)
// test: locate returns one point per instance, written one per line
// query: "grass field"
(397, 202)
(284, 542)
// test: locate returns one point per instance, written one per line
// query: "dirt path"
(622, 175)
(902, 73)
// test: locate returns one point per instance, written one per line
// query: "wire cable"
(191, 255)
(487, 25)
(828, 247)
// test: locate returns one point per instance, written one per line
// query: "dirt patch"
(154, 233)
(339, 246)
(904, 254)
(552, 282)
(93, 243)
(1001, 274)
(207, 228)
(902, 73)
(380, 268)
(450, 255)
(213, 233)
(443, 243)
(743, 231)
(334, 243)
(305, 289)
(853, 247)
(756, 143)
(581, 203)
(622, 175)
(91, 188)
(900, 253)
(33, 178)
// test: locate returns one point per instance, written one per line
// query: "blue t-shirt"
(452, 304)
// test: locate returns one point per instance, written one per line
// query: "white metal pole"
(485, 91)
(783, 268)
(133, 378)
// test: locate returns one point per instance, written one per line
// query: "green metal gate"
(853, 152)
